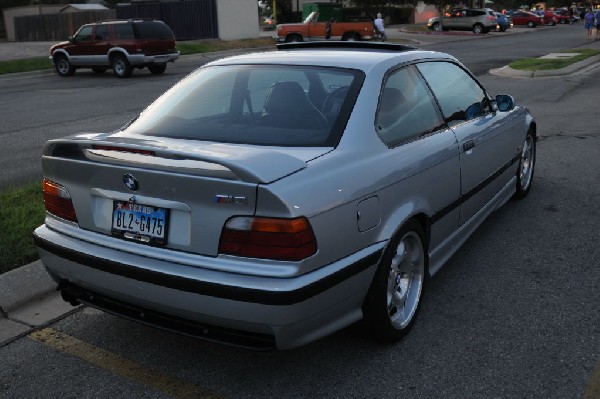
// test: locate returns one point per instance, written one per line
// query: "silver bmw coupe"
(269, 199)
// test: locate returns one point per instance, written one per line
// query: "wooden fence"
(191, 19)
(55, 27)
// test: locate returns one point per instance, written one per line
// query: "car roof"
(355, 55)
(121, 21)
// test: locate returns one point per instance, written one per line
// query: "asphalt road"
(514, 314)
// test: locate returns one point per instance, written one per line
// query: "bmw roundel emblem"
(131, 182)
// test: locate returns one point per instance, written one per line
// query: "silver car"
(481, 20)
(270, 199)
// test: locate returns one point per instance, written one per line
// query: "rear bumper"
(141, 59)
(293, 311)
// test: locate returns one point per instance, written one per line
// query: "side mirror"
(474, 111)
(71, 39)
(505, 102)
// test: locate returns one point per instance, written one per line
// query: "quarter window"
(460, 97)
(407, 109)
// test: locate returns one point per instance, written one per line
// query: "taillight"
(268, 238)
(490, 18)
(57, 201)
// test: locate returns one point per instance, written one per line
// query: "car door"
(488, 141)
(79, 49)
(453, 19)
(422, 152)
(99, 45)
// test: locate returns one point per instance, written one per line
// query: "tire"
(478, 28)
(436, 27)
(392, 304)
(526, 166)
(551, 23)
(293, 38)
(157, 69)
(99, 71)
(63, 66)
(531, 24)
(354, 37)
(121, 67)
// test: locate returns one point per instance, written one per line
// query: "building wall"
(237, 19)
(11, 13)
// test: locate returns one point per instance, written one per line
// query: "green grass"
(194, 47)
(21, 211)
(536, 64)
(25, 65)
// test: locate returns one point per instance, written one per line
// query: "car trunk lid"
(197, 186)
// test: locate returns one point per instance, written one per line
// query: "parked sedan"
(527, 18)
(270, 199)
(550, 18)
(562, 16)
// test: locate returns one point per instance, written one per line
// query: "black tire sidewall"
(376, 319)
(520, 193)
(127, 69)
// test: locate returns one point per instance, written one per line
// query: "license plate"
(143, 223)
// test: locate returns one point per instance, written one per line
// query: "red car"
(118, 44)
(527, 18)
(560, 16)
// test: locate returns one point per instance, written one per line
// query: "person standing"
(328, 28)
(588, 22)
(379, 26)
(597, 23)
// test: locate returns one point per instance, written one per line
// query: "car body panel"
(465, 19)
(355, 194)
(527, 18)
(94, 49)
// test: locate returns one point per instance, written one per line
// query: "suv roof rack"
(124, 20)
(334, 44)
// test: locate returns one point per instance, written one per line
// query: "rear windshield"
(272, 105)
(153, 30)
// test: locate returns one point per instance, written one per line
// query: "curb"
(580, 66)
(28, 300)
(21, 286)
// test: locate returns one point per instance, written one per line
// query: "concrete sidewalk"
(28, 300)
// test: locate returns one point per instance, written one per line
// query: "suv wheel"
(157, 69)
(121, 67)
(478, 28)
(531, 24)
(63, 66)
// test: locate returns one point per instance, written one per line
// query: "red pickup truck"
(311, 29)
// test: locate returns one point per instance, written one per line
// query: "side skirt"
(441, 254)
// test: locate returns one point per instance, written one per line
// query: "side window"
(406, 109)
(460, 97)
(124, 31)
(84, 34)
(101, 33)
